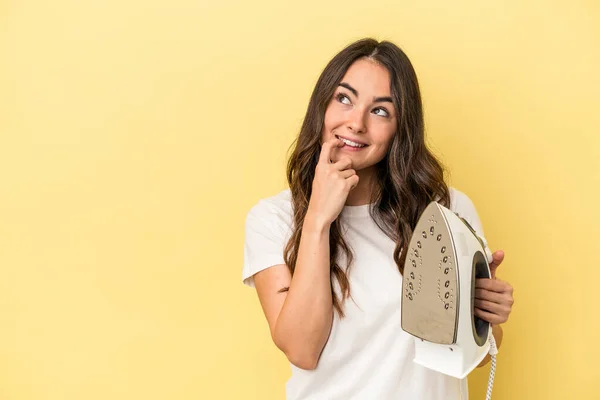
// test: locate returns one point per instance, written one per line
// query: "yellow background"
(135, 136)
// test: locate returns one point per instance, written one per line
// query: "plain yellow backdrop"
(136, 135)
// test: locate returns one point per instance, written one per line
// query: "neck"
(361, 194)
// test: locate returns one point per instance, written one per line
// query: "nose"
(356, 121)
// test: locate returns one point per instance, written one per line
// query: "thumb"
(498, 257)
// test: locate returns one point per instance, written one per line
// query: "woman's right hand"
(331, 185)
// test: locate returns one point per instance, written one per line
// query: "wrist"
(313, 222)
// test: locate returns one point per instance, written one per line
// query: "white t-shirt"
(368, 355)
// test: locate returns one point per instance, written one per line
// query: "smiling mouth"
(350, 143)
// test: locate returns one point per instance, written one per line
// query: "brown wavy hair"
(408, 178)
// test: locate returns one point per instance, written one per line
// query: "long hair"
(408, 178)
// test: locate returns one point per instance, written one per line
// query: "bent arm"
(300, 318)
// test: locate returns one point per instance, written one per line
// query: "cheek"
(383, 147)
(386, 137)
(388, 143)
(330, 121)
(330, 115)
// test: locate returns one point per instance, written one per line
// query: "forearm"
(498, 334)
(305, 319)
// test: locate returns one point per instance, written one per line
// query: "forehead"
(368, 77)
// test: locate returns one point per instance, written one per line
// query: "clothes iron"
(445, 257)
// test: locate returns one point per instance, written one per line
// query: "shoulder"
(275, 211)
(459, 201)
(463, 206)
(267, 230)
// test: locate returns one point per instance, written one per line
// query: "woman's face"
(361, 113)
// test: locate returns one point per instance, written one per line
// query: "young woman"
(326, 255)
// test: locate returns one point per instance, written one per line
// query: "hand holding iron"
(493, 297)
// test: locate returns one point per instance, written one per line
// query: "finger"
(491, 306)
(482, 294)
(497, 259)
(326, 149)
(494, 285)
(347, 173)
(343, 163)
(489, 317)
(353, 181)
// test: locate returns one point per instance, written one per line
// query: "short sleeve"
(264, 241)
(462, 205)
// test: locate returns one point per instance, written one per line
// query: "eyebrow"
(375, 100)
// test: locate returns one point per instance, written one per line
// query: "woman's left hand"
(493, 297)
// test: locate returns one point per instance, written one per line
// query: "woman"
(326, 256)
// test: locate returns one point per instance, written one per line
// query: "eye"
(382, 112)
(342, 98)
